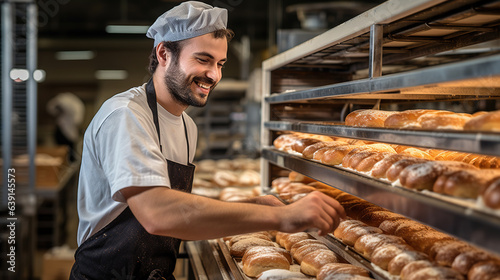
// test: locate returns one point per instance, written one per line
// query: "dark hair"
(175, 48)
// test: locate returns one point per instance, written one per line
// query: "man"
(134, 203)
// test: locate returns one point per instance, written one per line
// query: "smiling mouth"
(202, 85)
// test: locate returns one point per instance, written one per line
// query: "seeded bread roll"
(375, 218)
(484, 122)
(328, 271)
(314, 261)
(423, 241)
(258, 263)
(367, 118)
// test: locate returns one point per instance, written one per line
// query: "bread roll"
(412, 267)
(357, 209)
(312, 262)
(487, 270)
(491, 195)
(293, 238)
(239, 248)
(236, 238)
(423, 176)
(465, 260)
(484, 122)
(395, 169)
(300, 144)
(309, 151)
(331, 269)
(353, 233)
(280, 238)
(465, 183)
(443, 120)
(380, 168)
(333, 156)
(258, 263)
(389, 226)
(435, 273)
(300, 178)
(366, 244)
(284, 142)
(302, 243)
(302, 251)
(417, 153)
(383, 254)
(407, 119)
(447, 253)
(367, 118)
(281, 274)
(424, 241)
(260, 250)
(369, 162)
(414, 259)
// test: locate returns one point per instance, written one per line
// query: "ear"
(162, 54)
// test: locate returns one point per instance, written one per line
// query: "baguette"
(466, 183)
(407, 119)
(395, 169)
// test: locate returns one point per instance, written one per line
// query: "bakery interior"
(390, 107)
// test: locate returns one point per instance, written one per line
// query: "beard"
(179, 85)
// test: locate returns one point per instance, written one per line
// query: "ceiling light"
(75, 55)
(39, 75)
(19, 75)
(127, 29)
(111, 74)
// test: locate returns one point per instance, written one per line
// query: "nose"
(214, 72)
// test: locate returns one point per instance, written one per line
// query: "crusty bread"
(312, 262)
(407, 119)
(443, 120)
(366, 244)
(309, 151)
(491, 195)
(330, 270)
(484, 122)
(367, 118)
(258, 263)
(487, 270)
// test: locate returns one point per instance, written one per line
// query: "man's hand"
(314, 211)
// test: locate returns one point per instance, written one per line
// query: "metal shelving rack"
(400, 52)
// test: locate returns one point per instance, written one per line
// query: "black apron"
(124, 249)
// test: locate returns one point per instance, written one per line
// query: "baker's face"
(198, 69)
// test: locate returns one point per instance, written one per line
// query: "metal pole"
(31, 88)
(375, 63)
(7, 97)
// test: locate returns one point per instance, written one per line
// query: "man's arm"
(163, 211)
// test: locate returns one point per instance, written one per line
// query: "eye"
(221, 65)
(201, 60)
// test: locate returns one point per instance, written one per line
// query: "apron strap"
(151, 97)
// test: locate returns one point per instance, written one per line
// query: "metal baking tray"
(469, 142)
(462, 220)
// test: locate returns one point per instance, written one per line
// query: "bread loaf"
(422, 176)
(239, 248)
(443, 120)
(407, 119)
(434, 273)
(383, 254)
(484, 122)
(395, 169)
(314, 261)
(302, 251)
(293, 238)
(330, 270)
(260, 250)
(352, 233)
(491, 195)
(305, 242)
(465, 260)
(367, 118)
(380, 168)
(487, 270)
(366, 244)
(447, 253)
(258, 263)
(233, 239)
(466, 183)
(408, 261)
(375, 218)
(424, 241)
(333, 156)
(417, 153)
(309, 151)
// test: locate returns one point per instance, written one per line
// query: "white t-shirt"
(121, 150)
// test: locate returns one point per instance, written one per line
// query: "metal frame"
(367, 42)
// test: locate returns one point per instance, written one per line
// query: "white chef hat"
(187, 20)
